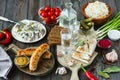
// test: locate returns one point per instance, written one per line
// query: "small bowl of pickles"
(86, 24)
(21, 61)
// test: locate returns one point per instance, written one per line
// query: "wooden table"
(28, 9)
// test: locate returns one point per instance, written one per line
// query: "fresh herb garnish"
(112, 69)
(103, 74)
(80, 43)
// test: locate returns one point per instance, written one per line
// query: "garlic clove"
(112, 56)
(61, 71)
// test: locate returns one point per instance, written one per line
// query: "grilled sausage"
(36, 56)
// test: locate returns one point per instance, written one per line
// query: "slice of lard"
(83, 57)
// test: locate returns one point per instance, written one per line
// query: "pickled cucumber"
(88, 20)
(90, 23)
(86, 24)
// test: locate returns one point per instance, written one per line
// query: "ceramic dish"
(98, 21)
(114, 35)
(49, 15)
(28, 31)
(21, 61)
(104, 43)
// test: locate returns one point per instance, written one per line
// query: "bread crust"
(36, 56)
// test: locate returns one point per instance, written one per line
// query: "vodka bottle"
(68, 16)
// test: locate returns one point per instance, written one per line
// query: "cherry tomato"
(2, 35)
(41, 11)
(47, 8)
(57, 13)
(52, 9)
(43, 19)
(50, 13)
(44, 14)
(57, 9)
(53, 17)
(47, 20)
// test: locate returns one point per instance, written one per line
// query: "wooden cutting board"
(76, 67)
(44, 66)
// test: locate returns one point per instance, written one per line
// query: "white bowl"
(114, 35)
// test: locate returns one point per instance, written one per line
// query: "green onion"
(80, 43)
(112, 24)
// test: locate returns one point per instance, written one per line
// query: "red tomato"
(50, 13)
(47, 20)
(57, 9)
(43, 19)
(53, 17)
(41, 11)
(57, 13)
(52, 9)
(47, 8)
(44, 14)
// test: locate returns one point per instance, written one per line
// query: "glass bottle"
(68, 16)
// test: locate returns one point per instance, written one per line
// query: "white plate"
(16, 36)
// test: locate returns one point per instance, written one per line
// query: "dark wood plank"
(117, 3)
(2, 11)
(28, 9)
(112, 3)
(20, 9)
(33, 9)
(9, 12)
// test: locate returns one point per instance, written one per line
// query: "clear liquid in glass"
(65, 43)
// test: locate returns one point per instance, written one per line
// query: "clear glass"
(66, 40)
(68, 16)
(75, 32)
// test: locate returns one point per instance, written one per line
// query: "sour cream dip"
(114, 35)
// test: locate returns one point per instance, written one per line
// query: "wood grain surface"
(28, 9)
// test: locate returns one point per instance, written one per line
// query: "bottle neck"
(68, 5)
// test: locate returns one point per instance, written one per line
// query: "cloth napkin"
(5, 63)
